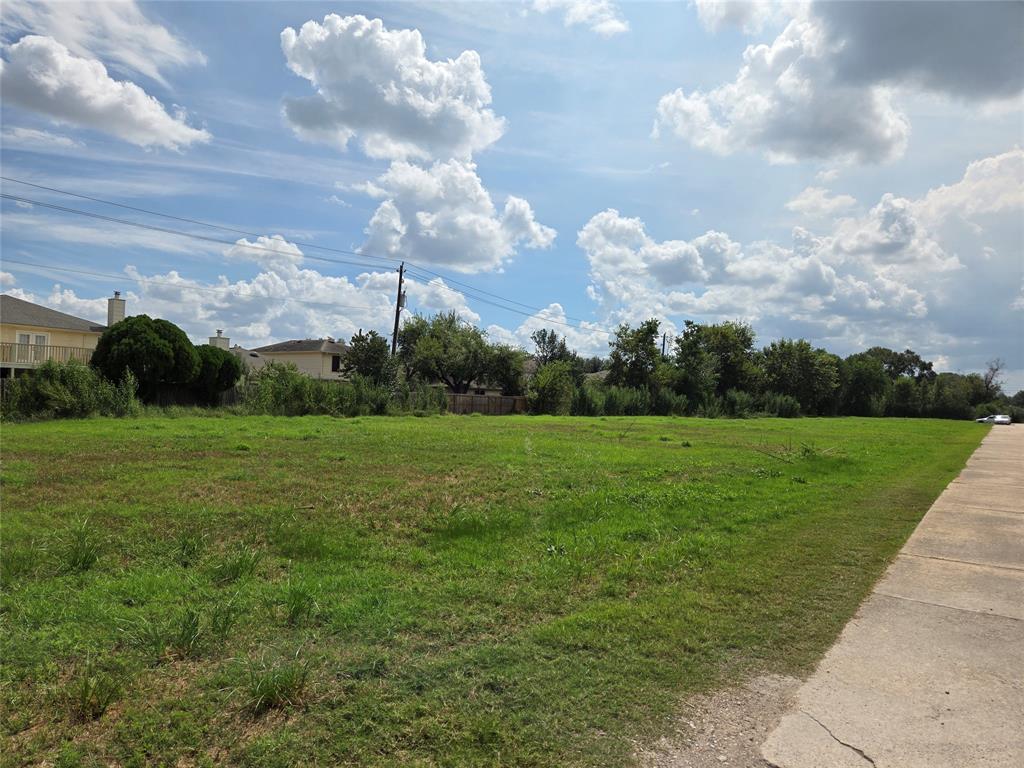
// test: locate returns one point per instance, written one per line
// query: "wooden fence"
(491, 405)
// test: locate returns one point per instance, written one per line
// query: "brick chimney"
(220, 340)
(115, 309)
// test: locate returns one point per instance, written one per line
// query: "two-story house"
(317, 358)
(30, 334)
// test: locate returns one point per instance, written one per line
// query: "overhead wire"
(477, 294)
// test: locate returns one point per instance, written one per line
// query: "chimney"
(115, 309)
(220, 340)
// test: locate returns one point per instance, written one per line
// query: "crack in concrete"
(837, 739)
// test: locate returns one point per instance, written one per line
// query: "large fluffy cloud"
(118, 33)
(603, 17)
(42, 75)
(941, 273)
(785, 101)
(378, 85)
(284, 299)
(443, 215)
(826, 87)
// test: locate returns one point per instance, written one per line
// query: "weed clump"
(81, 548)
(275, 683)
(240, 563)
(91, 692)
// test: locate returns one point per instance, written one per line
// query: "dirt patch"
(725, 728)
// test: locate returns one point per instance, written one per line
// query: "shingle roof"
(15, 311)
(304, 345)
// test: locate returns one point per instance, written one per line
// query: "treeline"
(712, 370)
(716, 370)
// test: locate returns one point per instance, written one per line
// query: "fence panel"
(491, 405)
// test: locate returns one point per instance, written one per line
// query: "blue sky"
(603, 161)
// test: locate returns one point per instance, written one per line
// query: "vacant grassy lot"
(439, 591)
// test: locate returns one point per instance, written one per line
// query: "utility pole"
(399, 303)
(663, 337)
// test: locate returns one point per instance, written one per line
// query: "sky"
(848, 173)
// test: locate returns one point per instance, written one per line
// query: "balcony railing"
(33, 354)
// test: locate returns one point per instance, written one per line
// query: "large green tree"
(445, 348)
(634, 355)
(809, 375)
(865, 386)
(369, 355)
(505, 368)
(156, 351)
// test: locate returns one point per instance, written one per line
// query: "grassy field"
(442, 591)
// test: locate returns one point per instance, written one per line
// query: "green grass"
(428, 592)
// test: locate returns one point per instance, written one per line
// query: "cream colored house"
(31, 334)
(317, 358)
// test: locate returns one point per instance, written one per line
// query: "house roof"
(15, 311)
(326, 346)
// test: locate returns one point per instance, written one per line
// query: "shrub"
(667, 403)
(157, 352)
(738, 403)
(626, 401)
(588, 400)
(218, 370)
(68, 390)
(279, 389)
(783, 406)
(551, 389)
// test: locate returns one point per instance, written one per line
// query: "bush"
(218, 370)
(157, 352)
(551, 389)
(667, 403)
(626, 401)
(68, 390)
(739, 404)
(783, 406)
(587, 400)
(279, 389)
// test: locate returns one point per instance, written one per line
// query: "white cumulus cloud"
(377, 85)
(118, 33)
(43, 76)
(443, 215)
(603, 17)
(816, 203)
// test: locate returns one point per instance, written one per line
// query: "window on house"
(335, 363)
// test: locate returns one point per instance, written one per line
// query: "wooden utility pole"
(663, 337)
(399, 303)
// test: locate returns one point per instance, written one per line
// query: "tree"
(905, 363)
(635, 355)
(993, 379)
(551, 389)
(505, 368)
(714, 359)
(157, 352)
(369, 355)
(218, 371)
(810, 375)
(549, 347)
(445, 348)
(865, 386)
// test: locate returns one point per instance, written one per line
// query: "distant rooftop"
(15, 311)
(305, 345)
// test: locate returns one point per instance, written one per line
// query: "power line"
(391, 261)
(168, 231)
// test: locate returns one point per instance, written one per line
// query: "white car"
(994, 419)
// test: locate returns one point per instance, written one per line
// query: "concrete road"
(930, 672)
